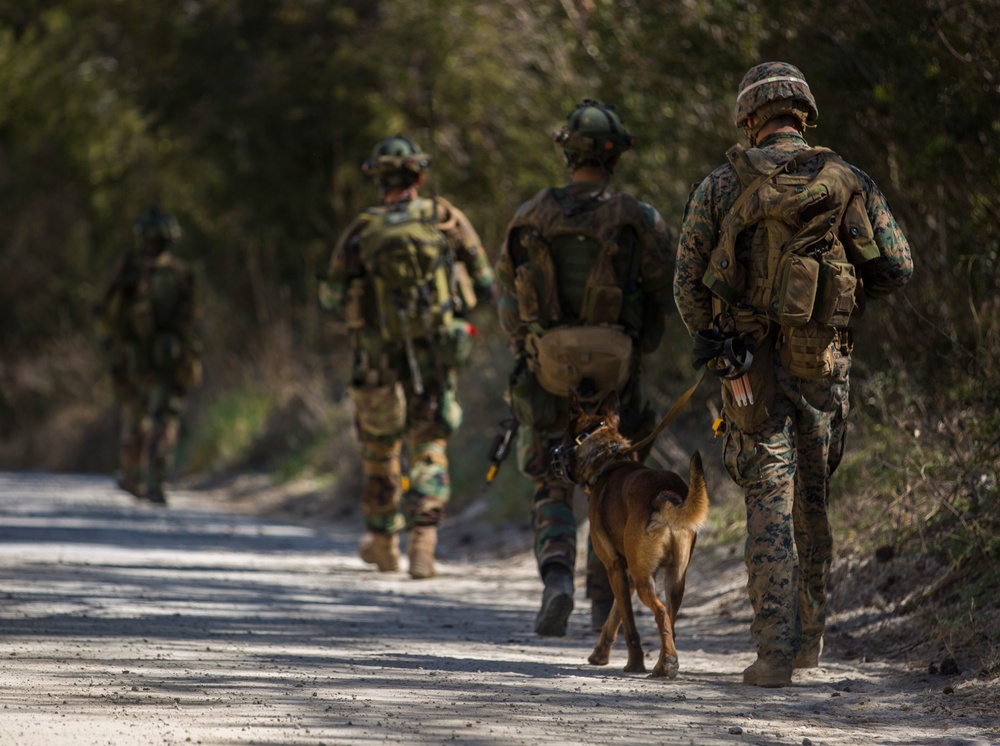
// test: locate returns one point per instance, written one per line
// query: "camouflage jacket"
(635, 224)
(146, 298)
(711, 200)
(345, 262)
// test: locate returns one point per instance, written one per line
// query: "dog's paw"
(667, 668)
(599, 659)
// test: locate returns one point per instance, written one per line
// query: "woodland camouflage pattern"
(784, 467)
(146, 323)
(424, 420)
(544, 415)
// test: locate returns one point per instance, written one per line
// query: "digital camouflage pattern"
(146, 319)
(770, 83)
(784, 467)
(543, 414)
(425, 421)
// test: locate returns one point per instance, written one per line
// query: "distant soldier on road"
(146, 326)
(402, 276)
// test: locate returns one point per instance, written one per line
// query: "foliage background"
(248, 119)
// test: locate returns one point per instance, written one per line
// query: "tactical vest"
(575, 271)
(578, 291)
(810, 230)
(408, 260)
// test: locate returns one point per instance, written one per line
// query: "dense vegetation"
(248, 118)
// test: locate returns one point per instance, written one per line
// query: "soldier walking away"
(146, 325)
(403, 275)
(584, 287)
(779, 251)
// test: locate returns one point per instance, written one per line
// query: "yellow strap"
(668, 417)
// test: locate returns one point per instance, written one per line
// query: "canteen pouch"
(799, 281)
(835, 296)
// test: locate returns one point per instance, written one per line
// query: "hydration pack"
(408, 260)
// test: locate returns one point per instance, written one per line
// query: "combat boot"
(770, 673)
(599, 611)
(381, 550)
(423, 541)
(557, 602)
(808, 657)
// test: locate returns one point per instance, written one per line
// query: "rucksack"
(811, 230)
(408, 261)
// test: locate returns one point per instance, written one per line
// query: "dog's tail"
(692, 512)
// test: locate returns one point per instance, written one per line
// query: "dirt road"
(121, 623)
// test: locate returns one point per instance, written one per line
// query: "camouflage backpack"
(810, 231)
(408, 260)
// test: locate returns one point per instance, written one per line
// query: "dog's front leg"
(609, 633)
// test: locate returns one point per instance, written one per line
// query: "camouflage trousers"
(150, 425)
(552, 518)
(784, 469)
(396, 498)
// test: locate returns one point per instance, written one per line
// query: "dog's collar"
(587, 433)
(611, 463)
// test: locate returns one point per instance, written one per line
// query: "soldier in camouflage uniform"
(405, 389)
(581, 257)
(782, 461)
(146, 325)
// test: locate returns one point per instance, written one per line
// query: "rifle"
(411, 355)
(501, 446)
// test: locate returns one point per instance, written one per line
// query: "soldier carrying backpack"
(584, 279)
(779, 251)
(146, 317)
(402, 276)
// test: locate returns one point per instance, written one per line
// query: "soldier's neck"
(400, 195)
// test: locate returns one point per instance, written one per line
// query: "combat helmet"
(774, 89)
(396, 162)
(156, 229)
(593, 133)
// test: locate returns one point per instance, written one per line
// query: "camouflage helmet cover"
(396, 154)
(769, 83)
(594, 131)
(156, 225)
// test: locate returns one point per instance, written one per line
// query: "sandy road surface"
(121, 623)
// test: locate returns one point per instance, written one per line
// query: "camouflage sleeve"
(507, 308)
(893, 268)
(468, 248)
(655, 269)
(345, 264)
(703, 214)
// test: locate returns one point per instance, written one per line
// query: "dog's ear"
(611, 406)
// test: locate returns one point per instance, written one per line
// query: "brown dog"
(643, 522)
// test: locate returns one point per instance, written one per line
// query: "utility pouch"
(602, 304)
(763, 384)
(532, 405)
(807, 351)
(798, 283)
(526, 288)
(380, 410)
(835, 295)
(455, 347)
(563, 357)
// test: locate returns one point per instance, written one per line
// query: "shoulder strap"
(790, 165)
